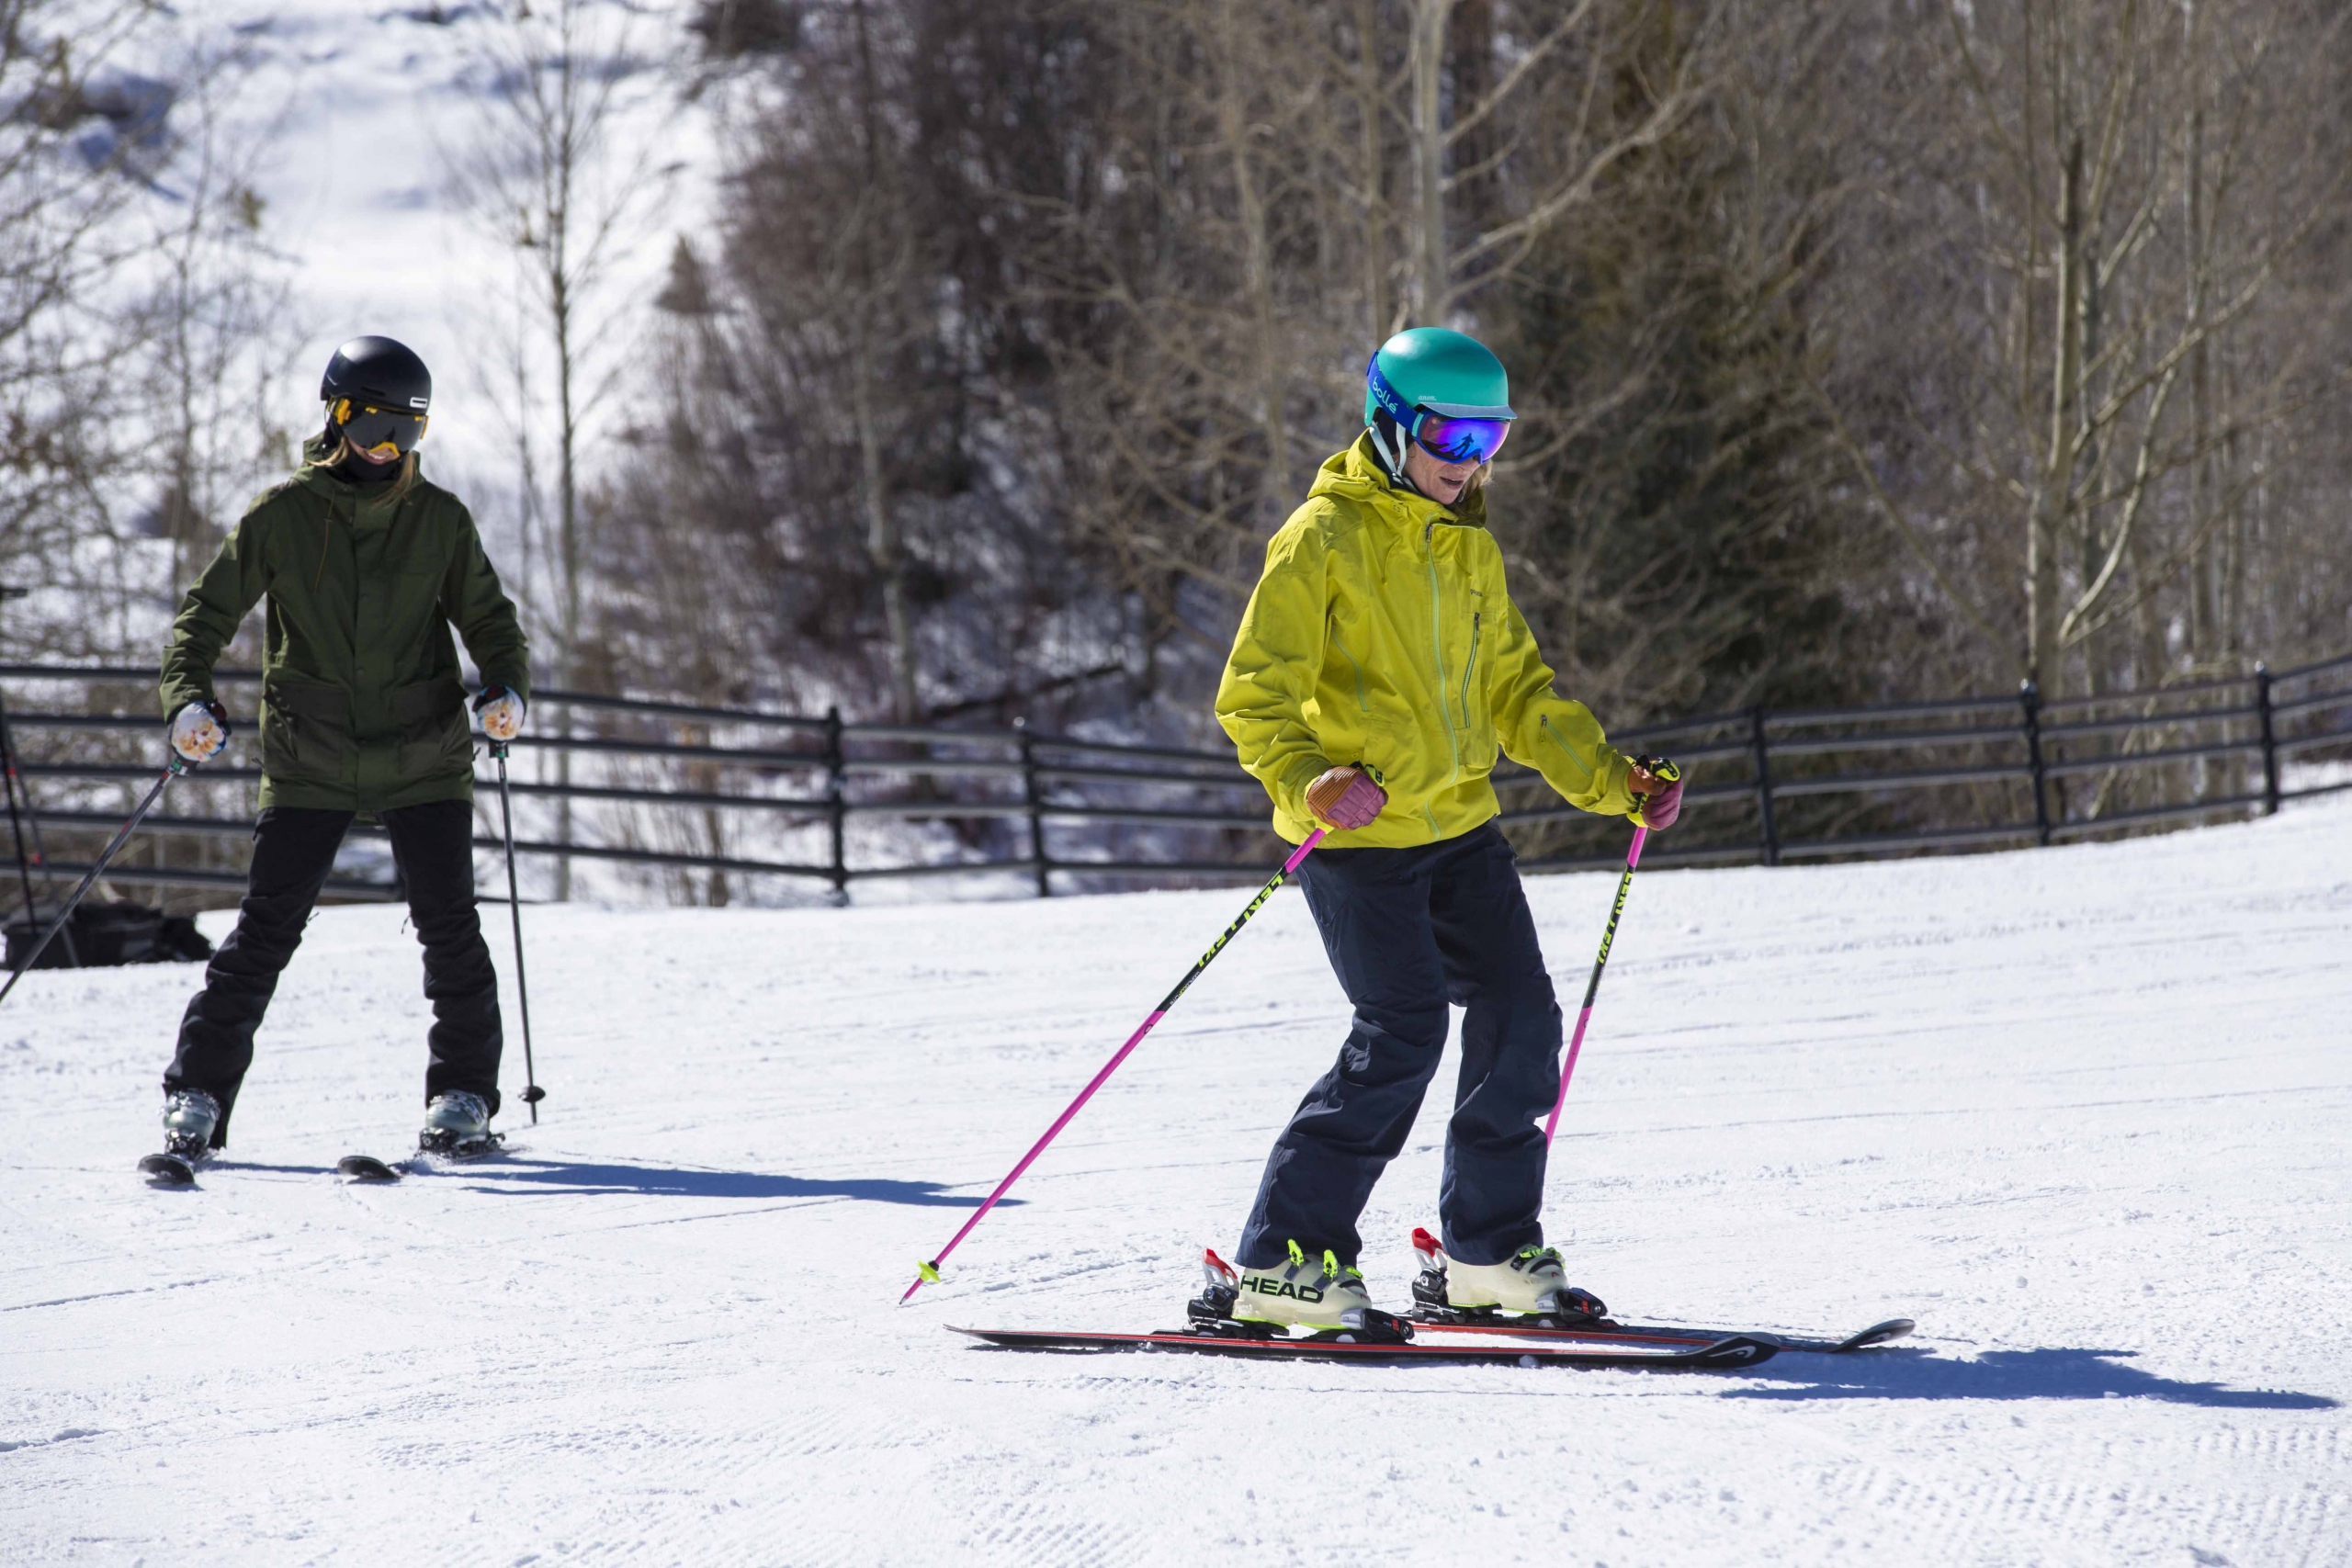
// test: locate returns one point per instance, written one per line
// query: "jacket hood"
(1354, 473)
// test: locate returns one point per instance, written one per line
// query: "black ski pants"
(1409, 931)
(294, 849)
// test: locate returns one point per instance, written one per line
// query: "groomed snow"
(2080, 1111)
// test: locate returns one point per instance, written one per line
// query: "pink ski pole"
(930, 1272)
(1592, 987)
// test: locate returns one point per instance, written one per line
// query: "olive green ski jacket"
(362, 708)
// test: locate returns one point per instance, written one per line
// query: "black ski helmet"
(379, 371)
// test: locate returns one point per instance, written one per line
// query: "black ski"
(1732, 1352)
(167, 1171)
(171, 1170)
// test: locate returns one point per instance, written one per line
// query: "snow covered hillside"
(2080, 1111)
(364, 114)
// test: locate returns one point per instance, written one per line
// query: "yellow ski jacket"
(1382, 633)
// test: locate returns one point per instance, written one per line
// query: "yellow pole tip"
(930, 1272)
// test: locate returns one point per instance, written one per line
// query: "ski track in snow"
(2079, 1111)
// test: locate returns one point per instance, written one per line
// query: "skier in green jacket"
(366, 565)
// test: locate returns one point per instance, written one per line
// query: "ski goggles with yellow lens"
(380, 433)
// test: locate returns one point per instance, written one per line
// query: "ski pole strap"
(928, 1273)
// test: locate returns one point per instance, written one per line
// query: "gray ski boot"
(457, 1123)
(189, 1117)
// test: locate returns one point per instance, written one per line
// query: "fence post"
(1762, 751)
(2263, 704)
(835, 809)
(2029, 699)
(1037, 808)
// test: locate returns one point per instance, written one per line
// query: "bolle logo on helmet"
(416, 402)
(1386, 396)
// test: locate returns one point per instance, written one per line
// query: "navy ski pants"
(1409, 931)
(294, 849)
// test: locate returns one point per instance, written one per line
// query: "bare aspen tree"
(880, 253)
(542, 175)
(70, 160)
(218, 320)
(2077, 211)
(1447, 272)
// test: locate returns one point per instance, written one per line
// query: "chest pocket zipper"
(1469, 670)
(1364, 704)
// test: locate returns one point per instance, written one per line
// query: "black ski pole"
(532, 1093)
(122, 835)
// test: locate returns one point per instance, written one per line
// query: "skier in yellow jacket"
(1379, 669)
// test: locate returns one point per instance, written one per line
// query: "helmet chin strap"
(1389, 440)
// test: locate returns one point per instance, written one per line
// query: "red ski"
(1734, 1352)
(1430, 1308)
(1608, 1332)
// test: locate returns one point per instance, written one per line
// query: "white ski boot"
(1529, 1282)
(1317, 1293)
(189, 1117)
(457, 1123)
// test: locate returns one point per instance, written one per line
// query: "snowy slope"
(352, 121)
(2080, 1111)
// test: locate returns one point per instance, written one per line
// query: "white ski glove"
(199, 729)
(500, 712)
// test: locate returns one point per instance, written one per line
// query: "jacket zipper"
(1473, 668)
(1437, 651)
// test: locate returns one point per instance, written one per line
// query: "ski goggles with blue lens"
(1459, 436)
(381, 432)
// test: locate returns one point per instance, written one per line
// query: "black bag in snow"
(103, 934)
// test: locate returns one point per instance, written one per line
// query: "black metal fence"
(715, 804)
(1770, 785)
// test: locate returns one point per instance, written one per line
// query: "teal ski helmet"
(1442, 388)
